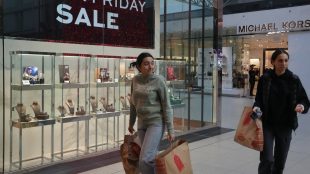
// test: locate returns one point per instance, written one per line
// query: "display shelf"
(31, 80)
(178, 105)
(105, 84)
(32, 87)
(71, 85)
(176, 82)
(125, 111)
(68, 119)
(33, 123)
(106, 115)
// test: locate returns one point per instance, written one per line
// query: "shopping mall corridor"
(221, 155)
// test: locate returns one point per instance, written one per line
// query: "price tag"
(26, 82)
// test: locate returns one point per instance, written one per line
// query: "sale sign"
(124, 23)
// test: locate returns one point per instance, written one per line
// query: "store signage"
(122, 23)
(284, 26)
(66, 17)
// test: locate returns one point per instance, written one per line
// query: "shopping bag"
(175, 159)
(248, 132)
(130, 151)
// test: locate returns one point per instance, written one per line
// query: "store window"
(66, 78)
(187, 35)
(251, 52)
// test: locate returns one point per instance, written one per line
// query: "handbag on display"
(249, 132)
(170, 73)
(175, 159)
(130, 151)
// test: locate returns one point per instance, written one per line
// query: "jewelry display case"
(104, 106)
(72, 79)
(174, 73)
(126, 75)
(32, 108)
(68, 105)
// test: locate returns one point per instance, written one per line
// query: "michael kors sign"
(274, 27)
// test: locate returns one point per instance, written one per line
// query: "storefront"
(65, 76)
(254, 35)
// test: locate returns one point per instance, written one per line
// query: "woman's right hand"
(131, 129)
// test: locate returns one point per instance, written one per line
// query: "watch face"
(31, 70)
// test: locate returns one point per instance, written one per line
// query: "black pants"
(252, 84)
(273, 158)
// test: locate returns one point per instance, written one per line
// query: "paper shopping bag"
(248, 133)
(130, 151)
(175, 159)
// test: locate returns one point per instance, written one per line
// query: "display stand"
(72, 89)
(74, 119)
(106, 115)
(27, 84)
(104, 89)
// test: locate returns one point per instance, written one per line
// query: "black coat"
(294, 94)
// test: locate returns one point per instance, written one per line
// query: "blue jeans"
(150, 137)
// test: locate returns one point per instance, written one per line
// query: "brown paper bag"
(175, 159)
(249, 133)
(130, 151)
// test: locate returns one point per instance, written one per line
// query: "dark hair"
(140, 58)
(277, 52)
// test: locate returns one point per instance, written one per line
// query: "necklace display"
(70, 105)
(37, 111)
(21, 110)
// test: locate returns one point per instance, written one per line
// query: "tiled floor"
(221, 155)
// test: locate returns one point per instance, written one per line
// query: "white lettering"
(123, 6)
(111, 19)
(82, 18)
(96, 23)
(104, 2)
(60, 11)
(142, 5)
(134, 5)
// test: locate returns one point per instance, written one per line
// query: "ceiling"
(277, 40)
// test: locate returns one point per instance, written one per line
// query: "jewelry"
(62, 110)
(70, 105)
(94, 103)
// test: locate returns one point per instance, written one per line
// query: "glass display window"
(72, 78)
(32, 108)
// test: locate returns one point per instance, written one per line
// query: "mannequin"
(21, 110)
(104, 103)
(128, 98)
(62, 110)
(124, 103)
(94, 103)
(70, 105)
(36, 107)
(37, 111)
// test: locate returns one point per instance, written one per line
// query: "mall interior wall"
(298, 47)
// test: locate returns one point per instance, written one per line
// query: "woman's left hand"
(170, 137)
(299, 108)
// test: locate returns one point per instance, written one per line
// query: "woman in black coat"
(280, 96)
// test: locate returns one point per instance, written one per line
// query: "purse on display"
(248, 133)
(170, 73)
(175, 159)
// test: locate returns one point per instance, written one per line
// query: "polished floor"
(221, 155)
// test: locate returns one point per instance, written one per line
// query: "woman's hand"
(299, 108)
(131, 129)
(170, 137)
